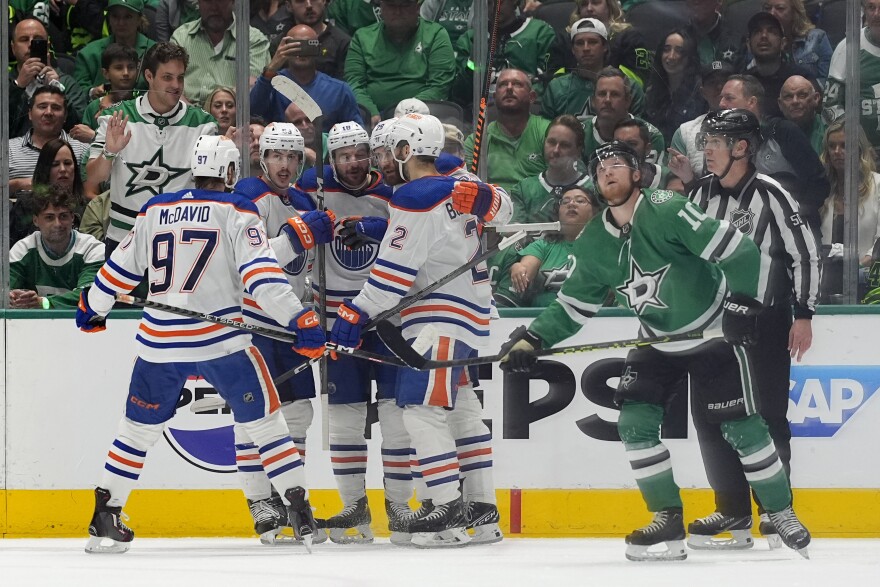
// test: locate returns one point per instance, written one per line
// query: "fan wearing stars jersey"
(294, 228)
(143, 146)
(679, 271)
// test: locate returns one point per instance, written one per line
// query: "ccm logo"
(736, 308)
(348, 315)
(309, 320)
(142, 404)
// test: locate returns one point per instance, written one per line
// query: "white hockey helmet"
(424, 134)
(380, 133)
(282, 136)
(213, 156)
(346, 134)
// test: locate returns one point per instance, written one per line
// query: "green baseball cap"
(133, 5)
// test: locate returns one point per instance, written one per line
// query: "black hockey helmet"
(735, 124)
(614, 149)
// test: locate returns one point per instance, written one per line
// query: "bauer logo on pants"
(824, 398)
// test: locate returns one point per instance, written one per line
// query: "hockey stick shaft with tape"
(410, 300)
(393, 338)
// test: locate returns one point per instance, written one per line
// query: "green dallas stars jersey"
(869, 80)
(593, 141)
(557, 263)
(58, 279)
(672, 265)
(156, 160)
(534, 198)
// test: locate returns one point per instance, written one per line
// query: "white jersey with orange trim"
(199, 248)
(426, 240)
(347, 269)
(274, 211)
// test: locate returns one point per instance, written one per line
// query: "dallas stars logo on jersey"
(151, 176)
(642, 289)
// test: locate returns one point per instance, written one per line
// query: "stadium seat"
(555, 13)
(655, 19)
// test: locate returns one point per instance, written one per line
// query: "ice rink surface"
(557, 562)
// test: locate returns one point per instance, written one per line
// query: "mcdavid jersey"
(274, 211)
(198, 248)
(347, 269)
(427, 240)
(671, 265)
(156, 160)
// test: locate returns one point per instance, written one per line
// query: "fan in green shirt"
(404, 56)
(50, 267)
(544, 265)
(352, 15)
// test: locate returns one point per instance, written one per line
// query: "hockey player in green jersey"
(679, 271)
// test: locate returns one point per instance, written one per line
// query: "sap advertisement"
(554, 428)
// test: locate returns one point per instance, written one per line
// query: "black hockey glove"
(519, 351)
(739, 322)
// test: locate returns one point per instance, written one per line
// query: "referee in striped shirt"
(759, 207)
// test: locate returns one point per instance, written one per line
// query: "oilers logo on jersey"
(354, 259)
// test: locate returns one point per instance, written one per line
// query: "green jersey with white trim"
(58, 279)
(672, 265)
(534, 198)
(156, 160)
(869, 77)
(592, 140)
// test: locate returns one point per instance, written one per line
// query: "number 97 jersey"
(200, 249)
(427, 240)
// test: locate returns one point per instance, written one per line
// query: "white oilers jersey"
(200, 249)
(155, 161)
(427, 240)
(347, 269)
(274, 211)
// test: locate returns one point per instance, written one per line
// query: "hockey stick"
(409, 301)
(393, 338)
(282, 336)
(484, 97)
(293, 92)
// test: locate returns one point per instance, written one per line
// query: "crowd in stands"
(566, 78)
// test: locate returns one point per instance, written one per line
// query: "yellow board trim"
(844, 513)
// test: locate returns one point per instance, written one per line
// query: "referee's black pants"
(772, 369)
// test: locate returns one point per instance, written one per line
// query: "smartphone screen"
(40, 49)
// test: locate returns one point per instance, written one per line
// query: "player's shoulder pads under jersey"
(237, 200)
(448, 164)
(423, 194)
(252, 187)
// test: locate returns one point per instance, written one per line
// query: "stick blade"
(293, 92)
(393, 339)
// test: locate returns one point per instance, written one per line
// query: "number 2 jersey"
(274, 211)
(347, 269)
(426, 240)
(200, 249)
(672, 265)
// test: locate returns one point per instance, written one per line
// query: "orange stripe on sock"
(435, 470)
(475, 453)
(282, 455)
(119, 459)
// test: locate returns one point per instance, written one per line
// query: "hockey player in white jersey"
(472, 436)
(199, 247)
(294, 228)
(433, 229)
(359, 199)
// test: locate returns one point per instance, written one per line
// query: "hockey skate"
(351, 525)
(272, 525)
(440, 526)
(107, 532)
(792, 532)
(399, 518)
(665, 530)
(768, 531)
(299, 514)
(704, 533)
(483, 519)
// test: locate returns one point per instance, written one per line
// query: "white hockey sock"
(253, 479)
(348, 450)
(126, 457)
(437, 459)
(277, 452)
(473, 442)
(298, 415)
(396, 452)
